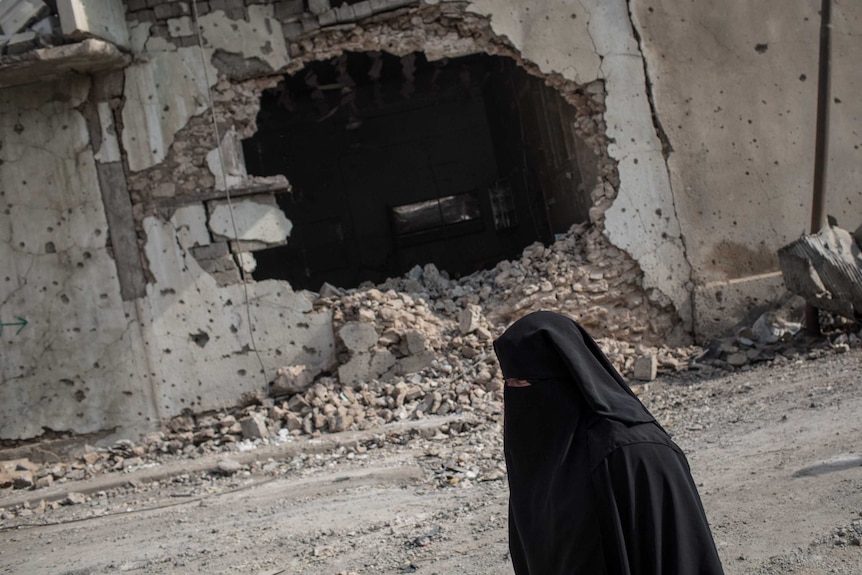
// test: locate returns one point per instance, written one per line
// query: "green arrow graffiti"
(21, 324)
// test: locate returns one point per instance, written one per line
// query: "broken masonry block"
(646, 368)
(358, 336)
(293, 379)
(254, 426)
(345, 13)
(362, 9)
(469, 318)
(15, 15)
(826, 269)
(288, 9)
(318, 6)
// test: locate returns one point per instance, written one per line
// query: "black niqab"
(596, 485)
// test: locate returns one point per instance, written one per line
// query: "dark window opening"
(434, 219)
(398, 161)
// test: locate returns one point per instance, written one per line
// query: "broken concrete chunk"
(229, 466)
(329, 291)
(415, 341)
(74, 498)
(365, 366)
(339, 422)
(16, 14)
(646, 368)
(254, 426)
(737, 359)
(355, 370)
(21, 43)
(358, 336)
(381, 362)
(469, 318)
(293, 422)
(256, 220)
(414, 363)
(826, 269)
(46, 481)
(293, 379)
(22, 478)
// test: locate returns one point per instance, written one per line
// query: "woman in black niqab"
(596, 486)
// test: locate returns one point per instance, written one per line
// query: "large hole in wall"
(398, 161)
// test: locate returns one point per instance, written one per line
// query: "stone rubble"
(28, 26)
(424, 348)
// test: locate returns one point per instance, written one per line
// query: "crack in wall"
(666, 147)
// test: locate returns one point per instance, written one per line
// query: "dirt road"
(776, 451)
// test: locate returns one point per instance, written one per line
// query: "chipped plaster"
(162, 94)
(197, 332)
(261, 37)
(255, 221)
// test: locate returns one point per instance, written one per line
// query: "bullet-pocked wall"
(136, 202)
(736, 95)
(166, 137)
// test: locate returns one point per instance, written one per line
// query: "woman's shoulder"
(604, 436)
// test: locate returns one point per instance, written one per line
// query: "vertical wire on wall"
(226, 185)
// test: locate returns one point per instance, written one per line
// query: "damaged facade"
(199, 196)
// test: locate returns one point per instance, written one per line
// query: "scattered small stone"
(229, 466)
(74, 498)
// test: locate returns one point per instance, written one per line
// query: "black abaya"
(596, 485)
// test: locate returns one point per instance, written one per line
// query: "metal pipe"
(821, 144)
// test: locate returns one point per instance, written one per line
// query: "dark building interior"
(398, 161)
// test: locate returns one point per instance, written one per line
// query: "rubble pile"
(422, 344)
(846, 535)
(25, 474)
(456, 454)
(26, 25)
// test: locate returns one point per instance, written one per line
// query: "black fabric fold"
(596, 485)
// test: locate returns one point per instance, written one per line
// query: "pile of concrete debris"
(26, 25)
(329, 406)
(421, 346)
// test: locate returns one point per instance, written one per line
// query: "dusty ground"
(776, 450)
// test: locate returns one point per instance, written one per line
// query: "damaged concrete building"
(196, 193)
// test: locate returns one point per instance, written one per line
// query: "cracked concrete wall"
(735, 86)
(582, 42)
(675, 119)
(76, 365)
(588, 40)
(197, 332)
(194, 319)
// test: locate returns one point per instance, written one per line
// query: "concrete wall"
(735, 89)
(114, 233)
(589, 41)
(77, 363)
